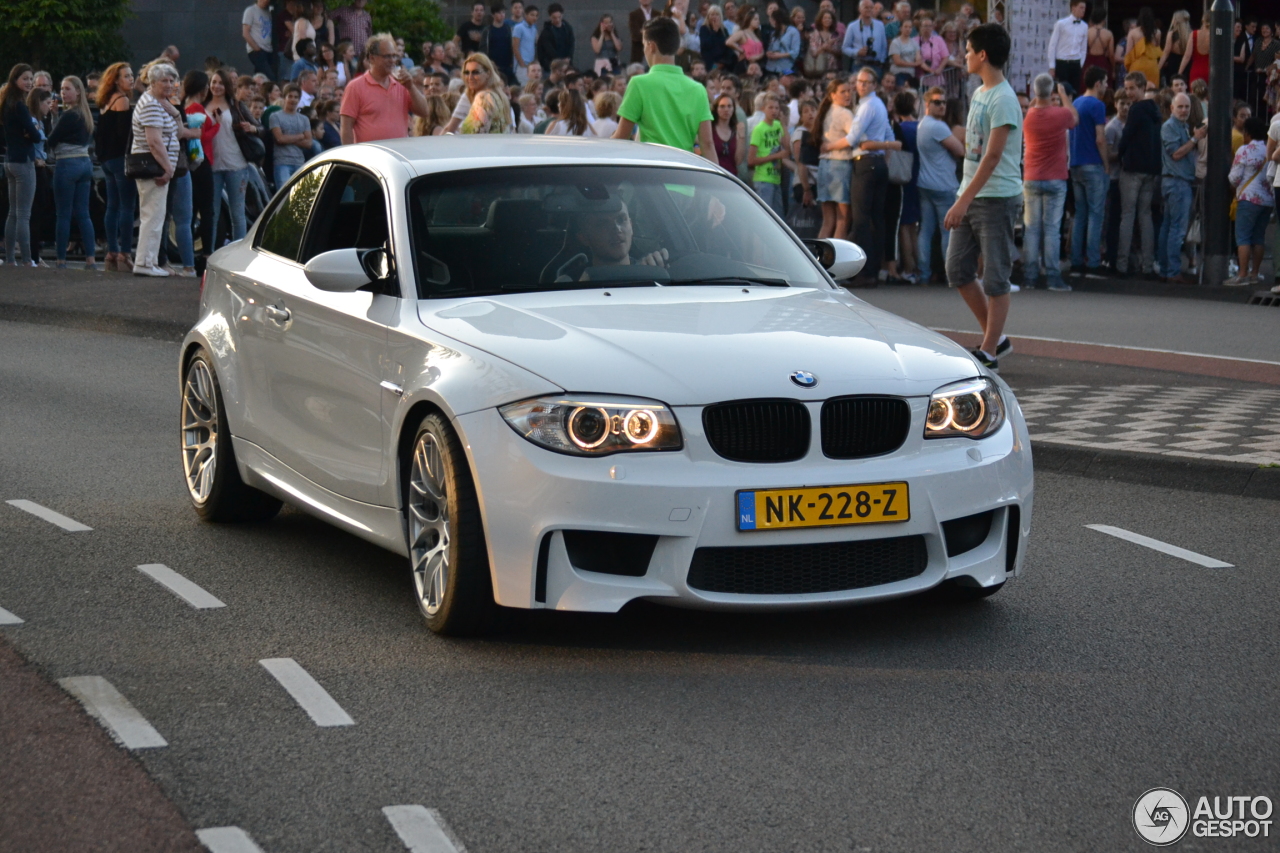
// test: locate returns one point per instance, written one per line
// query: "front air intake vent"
(800, 569)
(758, 430)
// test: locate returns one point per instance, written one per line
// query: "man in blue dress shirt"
(864, 40)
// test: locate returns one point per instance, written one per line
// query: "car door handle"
(275, 312)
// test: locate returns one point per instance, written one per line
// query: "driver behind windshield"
(606, 235)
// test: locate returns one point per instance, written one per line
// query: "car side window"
(351, 214)
(286, 225)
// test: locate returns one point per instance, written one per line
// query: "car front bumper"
(529, 496)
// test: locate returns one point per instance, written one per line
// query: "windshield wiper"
(736, 280)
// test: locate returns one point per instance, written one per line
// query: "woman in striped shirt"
(155, 131)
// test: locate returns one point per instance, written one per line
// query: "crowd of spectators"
(854, 129)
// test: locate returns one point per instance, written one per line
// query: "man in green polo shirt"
(670, 108)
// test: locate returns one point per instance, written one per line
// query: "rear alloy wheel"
(446, 540)
(208, 459)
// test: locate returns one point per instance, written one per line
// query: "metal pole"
(1217, 189)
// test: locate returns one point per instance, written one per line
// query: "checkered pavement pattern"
(1193, 422)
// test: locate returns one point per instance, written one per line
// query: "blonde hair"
(1180, 26)
(606, 104)
(495, 82)
(82, 101)
(438, 114)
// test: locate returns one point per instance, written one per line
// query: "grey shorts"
(986, 230)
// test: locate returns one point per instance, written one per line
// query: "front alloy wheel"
(447, 551)
(208, 459)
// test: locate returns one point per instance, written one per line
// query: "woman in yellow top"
(1143, 53)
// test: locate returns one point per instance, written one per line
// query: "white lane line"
(1162, 547)
(49, 515)
(110, 708)
(193, 594)
(7, 618)
(422, 830)
(307, 692)
(227, 839)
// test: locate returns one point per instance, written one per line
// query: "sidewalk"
(1162, 391)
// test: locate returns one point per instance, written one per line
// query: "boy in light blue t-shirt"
(982, 219)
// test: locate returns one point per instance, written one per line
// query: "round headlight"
(939, 414)
(588, 427)
(968, 410)
(640, 426)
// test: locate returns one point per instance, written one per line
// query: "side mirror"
(348, 270)
(842, 259)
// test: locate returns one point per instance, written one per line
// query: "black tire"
(208, 457)
(958, 590)
(448, 558)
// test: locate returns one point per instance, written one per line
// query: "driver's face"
(608, 237)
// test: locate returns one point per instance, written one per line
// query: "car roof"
(424, 155)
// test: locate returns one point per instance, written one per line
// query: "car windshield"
(537, 228)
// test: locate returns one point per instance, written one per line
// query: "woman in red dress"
(1197, 55)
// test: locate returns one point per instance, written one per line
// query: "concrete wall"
(199, 28)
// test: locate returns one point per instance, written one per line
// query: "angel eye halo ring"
(594, 425)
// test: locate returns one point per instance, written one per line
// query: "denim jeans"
(263, 62)
(1136, 193)
(21, 178)
(282, 172)
(1042, 222)
(1177, 195)
(1090, 185)
(233, 183)
(179, 210)
(122, 195)
(770, 194)
(934, 205)
(72, 180)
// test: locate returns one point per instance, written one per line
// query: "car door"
(320, 355)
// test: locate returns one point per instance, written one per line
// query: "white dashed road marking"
(115, 713)
(422, 830)
(49, 515)
(307, 692)
(227, 839)
(1162, 547)
(7, 618)
(180, 586)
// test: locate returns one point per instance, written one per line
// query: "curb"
(1149, 469)
(162, 330)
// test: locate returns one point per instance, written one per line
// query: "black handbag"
(142, 166)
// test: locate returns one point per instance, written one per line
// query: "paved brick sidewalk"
(1204, 422)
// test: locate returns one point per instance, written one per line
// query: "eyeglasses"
(474, 73)
(937, 102)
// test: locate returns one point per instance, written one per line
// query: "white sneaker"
(151, 271)
(1238, 281)
(1276, 289)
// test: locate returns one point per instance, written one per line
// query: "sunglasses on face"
(473, 73)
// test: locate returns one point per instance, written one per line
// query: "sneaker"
(1005, 347)
(185, 272)
(985, 360)
(1238, 281)
(1276, 289)
(155, 271)
(1059, 286)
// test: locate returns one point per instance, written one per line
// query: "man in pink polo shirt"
(376, 105)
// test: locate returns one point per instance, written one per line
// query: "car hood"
(700, 345)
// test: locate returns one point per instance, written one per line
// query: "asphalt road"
(1032, 721)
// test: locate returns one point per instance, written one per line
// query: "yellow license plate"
(823, 506)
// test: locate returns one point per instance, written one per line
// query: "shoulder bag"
(901, 164)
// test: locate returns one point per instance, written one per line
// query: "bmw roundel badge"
(804, 378)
